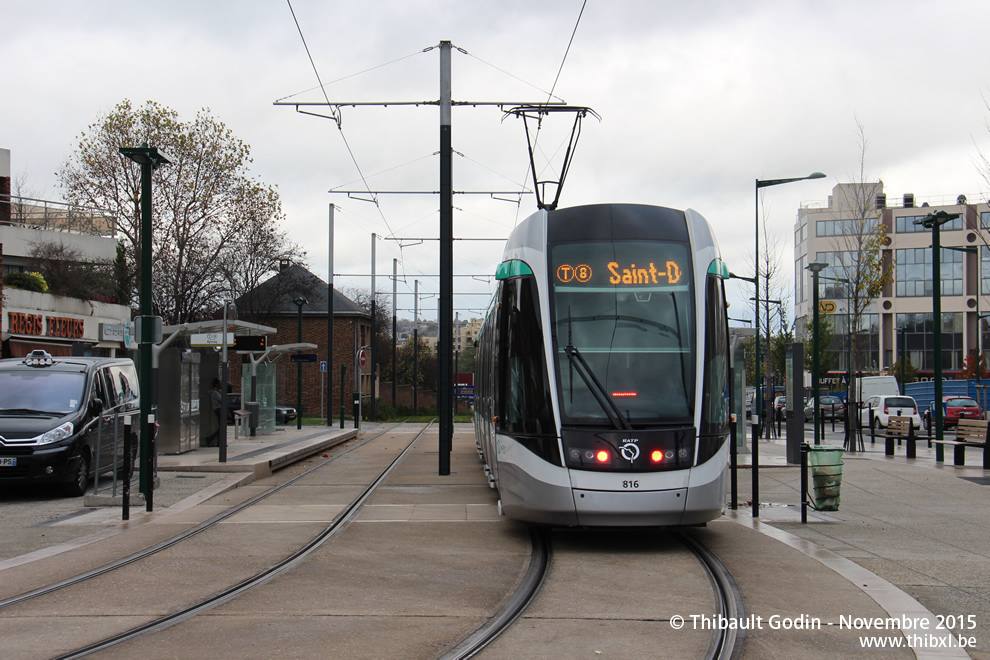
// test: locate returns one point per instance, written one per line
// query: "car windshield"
(829, 400)
(41, 391)
(961, 403)
(899, 402)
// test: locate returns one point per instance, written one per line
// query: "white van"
(877, 386)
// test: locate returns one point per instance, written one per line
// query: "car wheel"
(876, 424)
(77, 487)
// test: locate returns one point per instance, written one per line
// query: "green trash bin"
(826, 473)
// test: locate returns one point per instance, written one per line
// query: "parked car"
(56, 413)
(884, 406)
(779, 407)
(284, 414)
(955, 408)
(829, 408)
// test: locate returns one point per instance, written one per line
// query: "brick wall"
(315, 332)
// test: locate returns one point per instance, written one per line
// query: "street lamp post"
(815, 267)
(150, 158)
(299, 302)
(228, 306)
(934, 221)
(756, 280)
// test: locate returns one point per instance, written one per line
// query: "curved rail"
(725, 644)
(539, 567)
(259, 578)
(178, 538)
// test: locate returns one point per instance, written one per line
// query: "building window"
(845, 227)
(985, 220)
(839, 264)
(865, 341)
(919, 339)
(914, 272)
(904, 224)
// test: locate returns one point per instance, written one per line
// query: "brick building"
(272, 303)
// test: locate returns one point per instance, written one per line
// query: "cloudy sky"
(697, 100)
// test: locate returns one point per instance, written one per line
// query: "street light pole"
(299, 302)
(150, 158)
(934, 221)
(815, 267)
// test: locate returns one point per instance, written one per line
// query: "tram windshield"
(623, 331)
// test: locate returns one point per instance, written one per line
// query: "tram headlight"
(602, 456)
(656, 456)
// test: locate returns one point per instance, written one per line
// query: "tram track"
(725, 644)
(224, 594)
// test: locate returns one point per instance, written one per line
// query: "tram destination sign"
(303, 357)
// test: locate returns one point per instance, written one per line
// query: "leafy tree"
(910, 372)
(204, 203)
(970, 367)
(427, 371)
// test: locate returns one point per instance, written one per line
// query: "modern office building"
(901, 317)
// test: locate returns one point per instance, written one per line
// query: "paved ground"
(909, 537)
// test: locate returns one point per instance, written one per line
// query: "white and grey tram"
(602, 371)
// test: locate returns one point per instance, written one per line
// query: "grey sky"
(697, 100)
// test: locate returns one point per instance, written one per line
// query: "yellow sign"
(826, 307)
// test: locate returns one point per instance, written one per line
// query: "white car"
(885, 406)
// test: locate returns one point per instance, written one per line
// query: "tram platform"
(909, 542)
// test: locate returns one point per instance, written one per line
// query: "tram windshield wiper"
(615, 416)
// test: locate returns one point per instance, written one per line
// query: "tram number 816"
(630, 484)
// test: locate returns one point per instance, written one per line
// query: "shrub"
(26, 281)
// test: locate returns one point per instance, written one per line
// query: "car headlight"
(55, 435)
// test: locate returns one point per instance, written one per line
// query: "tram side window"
(715, 390)
(524, 389)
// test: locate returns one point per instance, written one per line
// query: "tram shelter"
(184, 365)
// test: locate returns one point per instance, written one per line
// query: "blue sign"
(323, 366)
(303, 357)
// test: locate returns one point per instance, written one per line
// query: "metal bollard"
(911, 447)
(126, 494)
(733, 465)
(804, 482)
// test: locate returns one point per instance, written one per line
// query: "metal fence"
(59, 216)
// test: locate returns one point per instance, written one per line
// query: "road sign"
(303, 357)
(363, 358)
(323, 366)
(826, 307)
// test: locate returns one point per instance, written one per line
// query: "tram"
(602, 370)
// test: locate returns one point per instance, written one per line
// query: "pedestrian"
(213, 440)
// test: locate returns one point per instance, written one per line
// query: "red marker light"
(656, 456)
(618, 394)
(601, 456)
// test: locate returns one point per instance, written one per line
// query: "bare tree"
(858, 250)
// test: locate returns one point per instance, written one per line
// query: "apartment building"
(901, 317)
